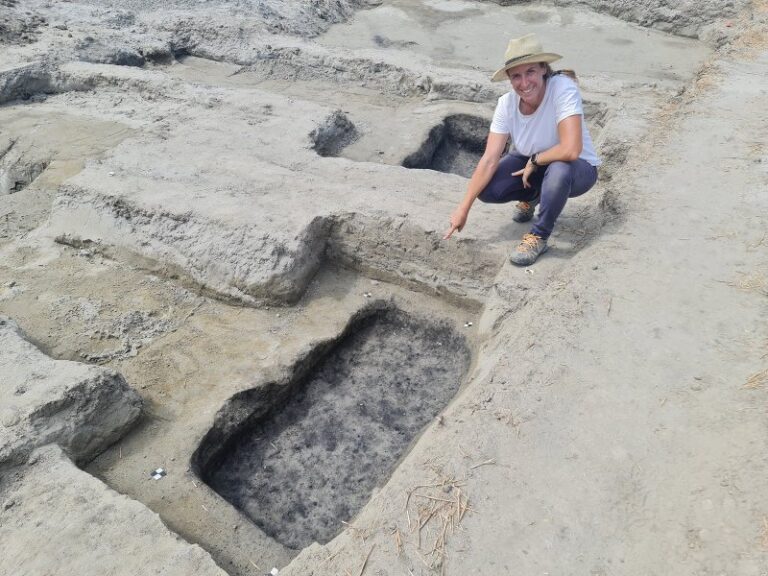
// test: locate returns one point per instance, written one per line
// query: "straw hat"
(525, 50)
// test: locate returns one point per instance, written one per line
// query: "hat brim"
(547, 57)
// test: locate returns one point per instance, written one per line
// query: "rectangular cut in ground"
(57, 519)
(81, 408)
(311, 462)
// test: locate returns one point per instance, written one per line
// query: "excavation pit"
(301, 457)
(454, 146)
(333, 135)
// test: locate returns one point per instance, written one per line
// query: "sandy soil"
(204, 196)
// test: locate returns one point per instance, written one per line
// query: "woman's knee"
(559, 176)
(498, 195)
(488, 195)
(574, 178)
(502, 188)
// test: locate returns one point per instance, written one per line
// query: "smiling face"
(528, 82)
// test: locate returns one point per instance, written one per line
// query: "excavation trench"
(302, 456)
(454, 146)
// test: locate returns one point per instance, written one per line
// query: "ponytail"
(570, 73)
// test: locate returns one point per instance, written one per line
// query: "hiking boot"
(523, 211)
(529, 249)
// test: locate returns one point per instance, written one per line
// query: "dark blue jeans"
(555, 182)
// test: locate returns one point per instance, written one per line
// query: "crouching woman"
(551, 156)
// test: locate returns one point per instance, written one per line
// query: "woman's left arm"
(566, 150)
(570, 145)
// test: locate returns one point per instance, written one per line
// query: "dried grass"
(756, 281)
(365, 562)
(434, 512)
(398, 540)
(751, 42)
(332, 556)
(486, 463)
(757, 380)
(362, 533)
(347, 571)
(764, 533)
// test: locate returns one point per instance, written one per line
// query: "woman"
(551, 158)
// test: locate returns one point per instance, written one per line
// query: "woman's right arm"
(486, 168)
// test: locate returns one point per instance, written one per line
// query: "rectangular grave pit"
(301, 457)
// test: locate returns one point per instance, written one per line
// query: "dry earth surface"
(232, 339)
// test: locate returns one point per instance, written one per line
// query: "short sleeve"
(500, 122)
(568, 100)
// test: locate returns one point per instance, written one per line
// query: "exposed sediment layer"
(81, 408)
(38, 79)
(376, 72)
(237, 262)
(260, 266)
(21, 82)
(394, 249)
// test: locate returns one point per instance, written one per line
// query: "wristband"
(534, 157)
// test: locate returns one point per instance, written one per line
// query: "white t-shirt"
(538, 131)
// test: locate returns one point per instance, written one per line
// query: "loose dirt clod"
(334, 134)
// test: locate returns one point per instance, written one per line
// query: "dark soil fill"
(312, 462)
(455, 146)
(333, 135)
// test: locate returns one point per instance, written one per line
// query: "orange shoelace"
(528, 243)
